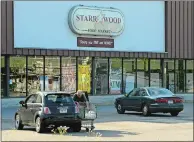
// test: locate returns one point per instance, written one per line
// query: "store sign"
(97, 21)
(95, 42)
(123, 23)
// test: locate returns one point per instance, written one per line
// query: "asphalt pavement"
(109, 114)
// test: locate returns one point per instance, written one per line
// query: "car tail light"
(161, 100)
(178, 100)
(47, 110)
(76, 107)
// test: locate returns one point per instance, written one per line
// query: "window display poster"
(84, 78)
(69, 78)
(46, 83)
(155, 80)
(130, 81)
(10, 81)
(51, 83)
(189, 83)
(115, 82)
(56, 84)
(171, 82)
(41, 82)
(141, 79)
(115, 86)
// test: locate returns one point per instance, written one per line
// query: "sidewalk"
(97, 100)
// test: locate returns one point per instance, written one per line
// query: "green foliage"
(62, 130)
(2, 61)
(18, 62)
(12, 86)
(116, 63)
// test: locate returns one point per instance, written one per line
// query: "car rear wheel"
(174, 113)
(120, 109)
(77, 127)
(18, 123)
(39, 125)
(145, 110)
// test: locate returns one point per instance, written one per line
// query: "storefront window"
(169, 80)
(129, 70)
(155, 73)
(2, 75)
(180, 76)
(101, 76)
(17, 82)
(189, 76)
(84, 73)
(115, 76)
(52, 73)
(142, 73)
(35, 74)
(69, 74)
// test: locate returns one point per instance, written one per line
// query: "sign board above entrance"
(138, 27)
(99, 21)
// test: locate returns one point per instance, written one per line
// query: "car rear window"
(52, 99)
(159, 91)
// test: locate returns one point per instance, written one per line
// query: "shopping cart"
(87, 114)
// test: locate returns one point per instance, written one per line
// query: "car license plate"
(170, 102)
(63, 110)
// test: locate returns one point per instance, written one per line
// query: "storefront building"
(100, 47)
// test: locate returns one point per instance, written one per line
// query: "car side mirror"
(126, 95)
(22, 103)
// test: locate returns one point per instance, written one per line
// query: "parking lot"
(113, 127)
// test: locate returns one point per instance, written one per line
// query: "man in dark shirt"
(79, 97)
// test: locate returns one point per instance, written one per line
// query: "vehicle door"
(135, 100)
(140, 98)
(128, 100)
(28, 112)
(22, 111)
(37, 106)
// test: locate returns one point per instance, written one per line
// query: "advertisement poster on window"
(69, 78)
(109, 22)
(130, 81)
(115, 82)
(115, 86)
(51, 83)
(189, 83)
(46, 83)
(171, 82)
(155, 80)
(84, 78)
(41, 82)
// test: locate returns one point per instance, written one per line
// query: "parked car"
(48, 109)
(150, 100)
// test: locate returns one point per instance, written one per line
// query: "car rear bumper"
(166, 108)
(60, 120)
